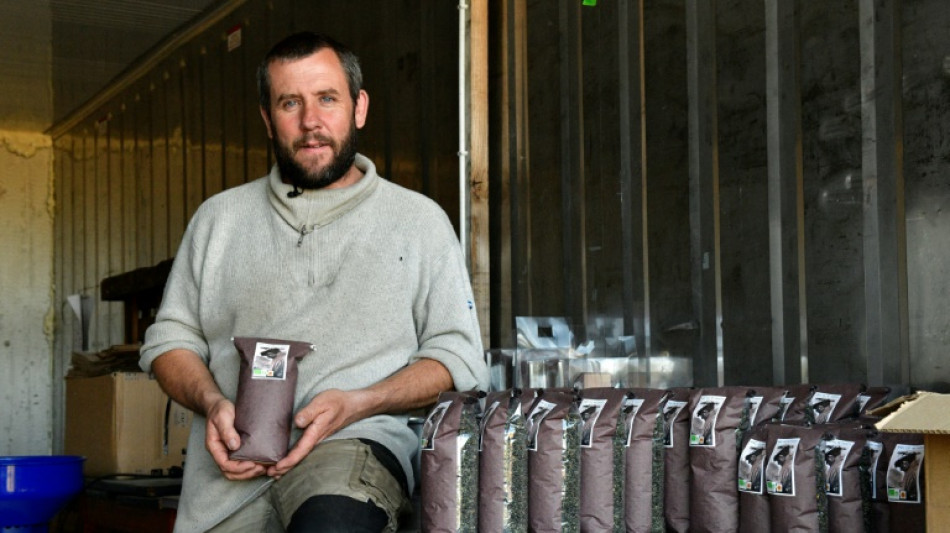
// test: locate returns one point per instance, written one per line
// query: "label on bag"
(270, 361)
(670, 411)
(780, 472)
(903, 473)
(834, 454)
(589, 411)
(876, 449)
(751, 462)
(702, 430)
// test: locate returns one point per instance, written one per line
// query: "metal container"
(661, 372)
(544, 368)
(501, 368)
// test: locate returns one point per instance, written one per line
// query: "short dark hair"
(303, 44)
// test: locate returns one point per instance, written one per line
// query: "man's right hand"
(187, 380)
(221, 439)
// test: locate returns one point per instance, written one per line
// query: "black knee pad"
(337, 514)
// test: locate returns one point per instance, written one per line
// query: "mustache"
(309, 138)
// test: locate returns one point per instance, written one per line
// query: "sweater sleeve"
(447, 323)
(177, 324)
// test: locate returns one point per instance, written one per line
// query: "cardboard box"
(927, 413)
(124, 424)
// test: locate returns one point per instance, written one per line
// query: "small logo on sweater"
(471, 304)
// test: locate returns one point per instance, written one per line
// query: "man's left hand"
(326, 414)
(416, 385)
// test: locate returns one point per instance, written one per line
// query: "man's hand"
(416, 385)
(187, 380)
(221, 438)
(326, 414)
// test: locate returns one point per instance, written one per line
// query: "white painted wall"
(26, 229)
(26, 269)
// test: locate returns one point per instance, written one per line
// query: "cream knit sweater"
(371, 275)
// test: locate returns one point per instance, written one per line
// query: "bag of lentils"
(503, 465)
(795, 478)
(599, 410)
(645, 458)
(898, 496)
(841, 459)
(716, 418)
(765, 404)
(263, 409)
(872, 398)
(831, 403)
(795, 402)
(554, 430)
(753, 501)
(676, 481)
(449, 464)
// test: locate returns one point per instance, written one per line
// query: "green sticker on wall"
(590, 2)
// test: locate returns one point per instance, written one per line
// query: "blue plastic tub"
(33, 488)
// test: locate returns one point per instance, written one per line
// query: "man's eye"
(327, 99)
(290, 104)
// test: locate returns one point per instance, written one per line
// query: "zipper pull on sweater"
(304, 230)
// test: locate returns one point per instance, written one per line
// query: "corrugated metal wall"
(735, 181)
(758, 184)
(130, 173)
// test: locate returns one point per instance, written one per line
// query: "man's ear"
(265, 114)
(361, 108)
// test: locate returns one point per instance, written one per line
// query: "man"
(325, 251)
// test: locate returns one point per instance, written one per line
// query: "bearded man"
(325, 251)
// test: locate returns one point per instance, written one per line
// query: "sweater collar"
(319, 207)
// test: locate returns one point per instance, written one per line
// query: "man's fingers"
(240, 470)
(221, 440)
(323, 416)
(306, 415)
(233, 470)
(221, 423)
(325, 404)
(218, 451)
(312, 435)
(231, 439)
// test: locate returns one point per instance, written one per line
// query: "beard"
(344, 154)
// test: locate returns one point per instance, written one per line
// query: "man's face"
(312, 121)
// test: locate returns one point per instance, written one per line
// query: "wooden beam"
(479, 249)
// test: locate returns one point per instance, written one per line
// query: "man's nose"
(310, 118)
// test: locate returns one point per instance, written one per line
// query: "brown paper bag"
(503, 465)
(449, 464)
(264, 406)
